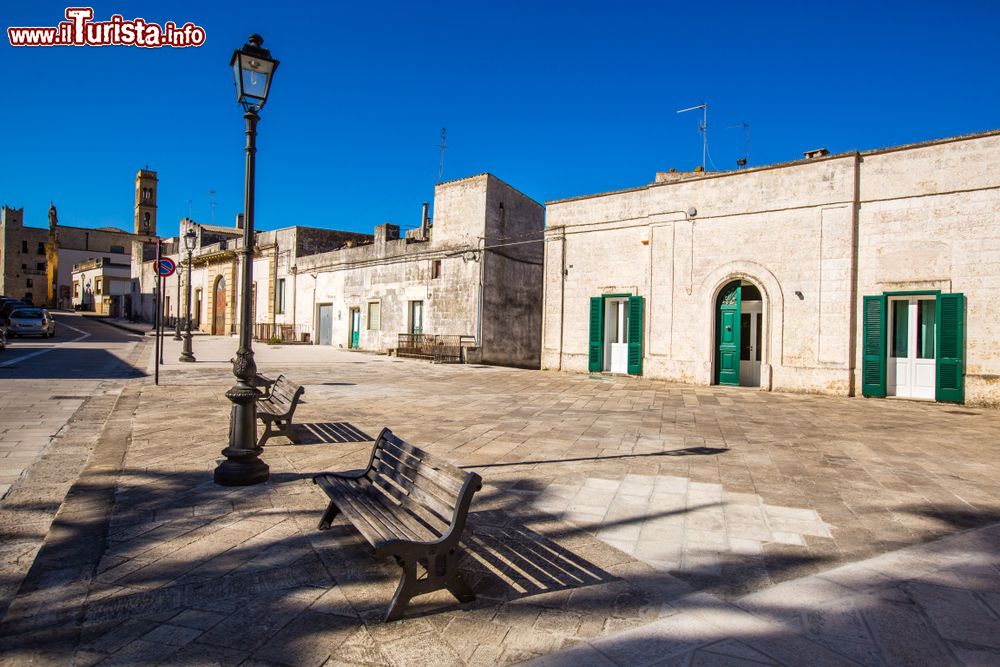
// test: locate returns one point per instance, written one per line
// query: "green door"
(727, 336)
(355, 326)
(950, 348)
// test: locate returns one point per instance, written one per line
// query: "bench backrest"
(433, 491)
(285, 392)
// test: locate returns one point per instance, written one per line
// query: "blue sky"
(557, 99)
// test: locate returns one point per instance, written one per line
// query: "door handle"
(729, 328)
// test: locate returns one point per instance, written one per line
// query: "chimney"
(385, 233)
(424, 220)
(819, 152)
(239, 221)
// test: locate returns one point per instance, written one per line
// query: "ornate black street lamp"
(189, 240)
(253, 69)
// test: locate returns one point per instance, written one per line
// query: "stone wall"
(920, 217)
(928, 221)
(447, 273)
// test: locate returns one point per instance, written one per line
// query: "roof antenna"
(211, 193)
(742, 162)
(703, 128)
(442, 146)
(190, 211)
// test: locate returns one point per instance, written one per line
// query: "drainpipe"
(562, 301)
(479, 296)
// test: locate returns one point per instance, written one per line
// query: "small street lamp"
(253, 69)
(189, 240)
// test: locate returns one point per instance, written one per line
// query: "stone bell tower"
(145, 202)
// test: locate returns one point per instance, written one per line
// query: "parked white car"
(31, 321)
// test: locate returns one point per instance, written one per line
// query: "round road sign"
(166, 267)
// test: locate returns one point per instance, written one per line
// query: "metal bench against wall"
(441, 348)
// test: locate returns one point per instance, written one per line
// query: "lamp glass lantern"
(189, 240)
(253, 69)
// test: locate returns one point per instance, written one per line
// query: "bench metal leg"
(266, 434)
(406, 589)
(453, 580)
(331, 511)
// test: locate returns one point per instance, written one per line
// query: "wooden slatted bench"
(277, 406)
(411, 506)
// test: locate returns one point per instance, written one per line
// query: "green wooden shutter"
(596, 361)
(635, 335)
(950, 317)
(873, 330)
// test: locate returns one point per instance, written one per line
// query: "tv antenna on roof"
(703, 128)
(742, 162)
(190, 211)
(211, 193)
(442, 146)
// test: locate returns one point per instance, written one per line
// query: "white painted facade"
(814, 237)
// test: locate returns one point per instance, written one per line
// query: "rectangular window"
(97, 286)
(435, 268)
(24, 247)
(900, 330)
(925, 328)
(41, 248)
(31, 283)
(280, 308)
(416, 317)
(76, 290)
(40, 266)
(118, 248)
(374, 316)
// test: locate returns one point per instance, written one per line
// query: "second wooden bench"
(411, 506)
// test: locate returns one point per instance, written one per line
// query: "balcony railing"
(440, 348)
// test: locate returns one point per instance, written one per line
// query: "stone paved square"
(622, 521)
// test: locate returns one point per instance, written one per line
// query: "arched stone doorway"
(219, 307)
(739, 334)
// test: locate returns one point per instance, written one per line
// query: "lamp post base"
(242, 466)
(186, 354)
(248, 472)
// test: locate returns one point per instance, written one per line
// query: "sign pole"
(156, 319)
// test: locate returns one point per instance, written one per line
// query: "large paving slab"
(755, 488)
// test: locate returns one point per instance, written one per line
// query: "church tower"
(145, 203)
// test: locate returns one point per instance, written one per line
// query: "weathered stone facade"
(215, 274)
(37, 263)
(477, 273)
(814, 238)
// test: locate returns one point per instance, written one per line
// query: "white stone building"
(862, 273)
(474, 273)
(102, 285)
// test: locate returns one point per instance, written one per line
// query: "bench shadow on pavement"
(321, 433)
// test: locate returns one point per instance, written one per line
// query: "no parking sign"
(165, 267)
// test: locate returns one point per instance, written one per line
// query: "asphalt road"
(44, 381)
(81, 349)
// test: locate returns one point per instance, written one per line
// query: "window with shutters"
(615, 334)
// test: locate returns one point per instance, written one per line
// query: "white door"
(911, 368)
(616, 335)
(750, 342)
